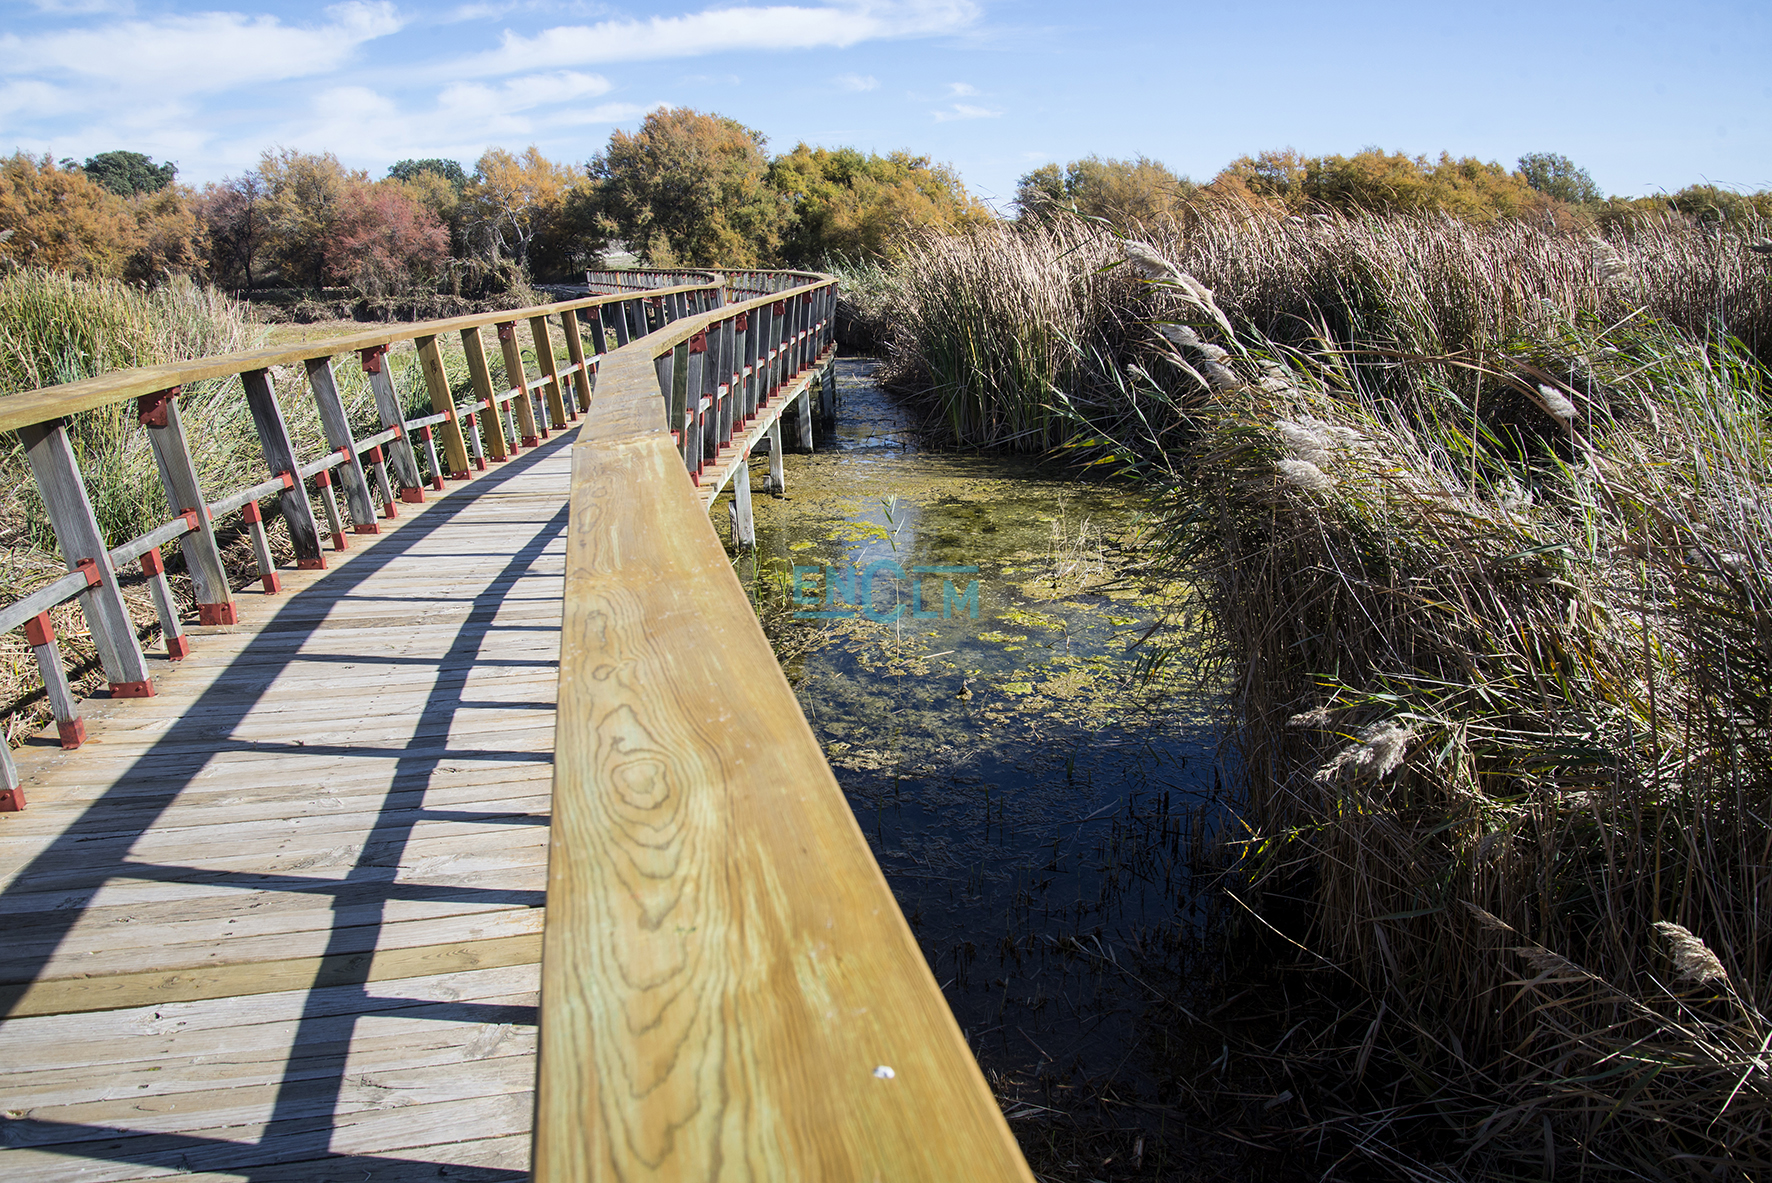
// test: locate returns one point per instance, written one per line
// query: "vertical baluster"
(165, 607)
(77, 535)
(575, 349)
(431, 457)
(261, 548)
(618, 319)
(667, 389)
(725, 387)
(279, 453)
(544, 358)
(70, 728)
(329, 502)
(455, 449)
(379, 466)
(492, 429)
(692, 391)
(765, 319)
(387, 405)
(747, 360)
(471, 431)
(159, 414)
(514, 375)
(337, 425)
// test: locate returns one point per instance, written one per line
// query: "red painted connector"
(150, 409)
(71, 734)
(177, 649)
(372, 358)
(12, 800)
(142, 689)
(216, 614)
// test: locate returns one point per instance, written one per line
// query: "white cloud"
(720, 30)
(857, 82)
(966, 111)
(211, 51)
(83, 7)
(961, 90)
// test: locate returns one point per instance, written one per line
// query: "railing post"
(544, 357)
(617, 316)
(492, 424)
(518, 380)
(83, 547)
(694, 381)
(273, 437)
(455, 449)
(575, 349)
(387, 404)
(184, 497)
(70, 728)
(667, 388)
(337, 425)
(748, 363)
(154, 567)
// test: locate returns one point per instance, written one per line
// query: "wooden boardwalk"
(248, 934)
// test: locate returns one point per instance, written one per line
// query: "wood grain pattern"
(724, 967)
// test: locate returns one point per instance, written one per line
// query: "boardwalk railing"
(729, 989)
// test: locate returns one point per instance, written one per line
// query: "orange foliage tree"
(57, 218)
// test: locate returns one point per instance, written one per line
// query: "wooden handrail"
(729, 990)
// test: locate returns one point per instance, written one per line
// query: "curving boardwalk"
(296, 936)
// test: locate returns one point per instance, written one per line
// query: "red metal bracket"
(743, 321)
(12, 800)
(192, 522)
(89, 568)
(698, 343)
(462, 476)
(805, 297)
(142, 689)
(152, 563)
(40, 630)
(374, 454)
(399, 431)
(366, 528)
(413, 496)
(150, 409)
(251, 512)
(372, 358)
(318, 564)
(506, 330)
(323, 479)
(212, 614)
(288, 479)
(529, 441)
(72, 733)
(781, 308)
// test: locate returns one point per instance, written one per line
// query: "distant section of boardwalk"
(290, 909)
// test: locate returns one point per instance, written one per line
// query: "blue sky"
(1645, 96)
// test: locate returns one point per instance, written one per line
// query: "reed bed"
(1481, 522)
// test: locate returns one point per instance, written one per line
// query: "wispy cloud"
(83, 7)
(966, 111)
(720, 30)
(962, 90)
(857, 82)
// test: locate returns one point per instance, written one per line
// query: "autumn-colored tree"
(170, 239)
(235, 216)
(690, 189)
(1128, 193)
(385, 243)
(439, 186)
(510, 200)
(1376, 181)
(59, 219)
(848, 204)
(304, 198)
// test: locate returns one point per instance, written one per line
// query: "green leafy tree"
(1128, 193)
(1559, 177)
(449, 170)
(690, 189)
(849, 204)
(129, 174)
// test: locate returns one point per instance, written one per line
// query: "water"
(1031, 800)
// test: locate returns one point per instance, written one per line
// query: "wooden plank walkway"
(282, 921)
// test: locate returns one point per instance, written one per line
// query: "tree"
(512, 199)
(1557, 176)
(847, 204)
(304, 199)
(1127, 193)
(129, 174)
(59, 219)
(449, 170)
(690, 189)
(236, 217)
(170, 238)
(1376, 181)
(385, 243)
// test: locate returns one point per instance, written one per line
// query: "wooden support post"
(455, 449)
(380, 467)
(778, 477)
(673, 381)
(273, 437)
(261, 548)
(70, 728)
(492, 424)
(165, 607)
(431, 457)
(804, 404)
(184, 496)
(329, 502)
(827, 402)
(337, 425)
(692, 393)
(517, 379)
(731, 413)
(617, 316)
(82, 546)
(765, 353)
(747, 327)
(387, 405)
(744, 525)
(575, 349)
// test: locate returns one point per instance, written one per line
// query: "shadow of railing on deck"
(301, 1123)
